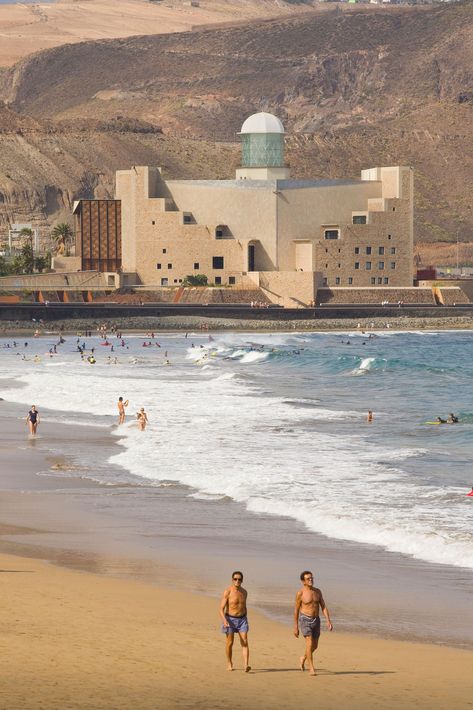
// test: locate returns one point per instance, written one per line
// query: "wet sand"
(166, 535)
(99, 629)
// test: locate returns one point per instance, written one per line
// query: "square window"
(368, 265)
(187, 219)
(373, 280)
(164, 282)
(331, 233)
(380, 280)
(385, 280)
(158, 266)
(357, 264)
(393, 264)
(381, 251)
(368, 250)
(169, 266)
(217, 262)
(231, 280)
(381, 265)
(350, 280)
(359, 219)
(218, 280)
(357, 250)
(196, 265)
(325, 281)
(164, 251)
(393, 250)
(153, 222)
(337, 281)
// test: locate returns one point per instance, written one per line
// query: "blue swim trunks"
(309, 625)
(237, 625)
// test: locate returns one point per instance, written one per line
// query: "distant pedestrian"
(33, 420)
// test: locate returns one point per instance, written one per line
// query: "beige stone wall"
(248, 212)
(304, 213)
(66, 263)
(291, 289)
(286, 227)
(154, 231)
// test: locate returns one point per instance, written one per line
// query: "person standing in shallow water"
(121, 410)
(142, 419)
(234, 619)
(33, 419)
(309, 601)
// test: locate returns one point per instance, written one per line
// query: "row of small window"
(381, 250)
(380, 280)
(381, 265)
(217, 263)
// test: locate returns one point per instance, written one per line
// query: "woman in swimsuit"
(142, 419)
(33, 419)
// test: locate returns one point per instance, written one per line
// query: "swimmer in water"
(369, 418)
(142, 418)
(33, 420)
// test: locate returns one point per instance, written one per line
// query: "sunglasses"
(237, 579)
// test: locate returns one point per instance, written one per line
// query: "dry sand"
(27, 28)
(77, 640)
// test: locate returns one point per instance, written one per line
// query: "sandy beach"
(78, 640)
(110, 596)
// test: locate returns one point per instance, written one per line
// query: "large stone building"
(287, 236)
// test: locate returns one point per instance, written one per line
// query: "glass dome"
(262, 138)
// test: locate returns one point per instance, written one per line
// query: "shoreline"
(80, 524)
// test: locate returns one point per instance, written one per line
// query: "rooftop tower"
(262, 148)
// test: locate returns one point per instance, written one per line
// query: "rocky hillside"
(355, 89)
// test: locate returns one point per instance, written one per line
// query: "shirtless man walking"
(121, 410)
(234, 619)
(309, 601)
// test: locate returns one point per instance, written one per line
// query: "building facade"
(287, 236)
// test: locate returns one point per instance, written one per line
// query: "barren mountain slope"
(29, 27)
(354, 89)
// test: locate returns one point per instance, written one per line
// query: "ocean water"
(277, 422)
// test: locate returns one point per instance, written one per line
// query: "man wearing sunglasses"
(234, 619)
(309, 601)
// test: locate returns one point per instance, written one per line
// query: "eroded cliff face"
(354, 89)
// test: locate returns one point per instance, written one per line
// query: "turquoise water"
(277, 422)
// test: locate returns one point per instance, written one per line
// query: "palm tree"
(28, 236)
(62, 235)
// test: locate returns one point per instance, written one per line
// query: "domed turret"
(262, 142)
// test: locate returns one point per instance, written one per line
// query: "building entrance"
(304, 256)
(251, 257)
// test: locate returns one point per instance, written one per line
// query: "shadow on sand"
(320, 671)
